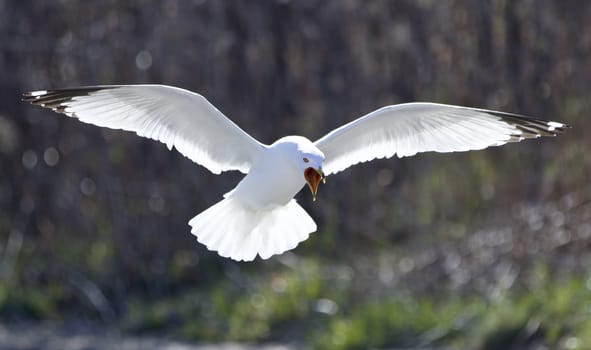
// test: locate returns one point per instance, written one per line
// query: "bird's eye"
(306, 160)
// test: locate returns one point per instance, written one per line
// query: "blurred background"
(479, 250)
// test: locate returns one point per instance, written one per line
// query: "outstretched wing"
(410, 128)
(177, 117)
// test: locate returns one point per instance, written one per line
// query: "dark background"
(93, 222)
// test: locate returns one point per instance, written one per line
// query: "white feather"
(173, 116)
(410, 128)
(236, 231)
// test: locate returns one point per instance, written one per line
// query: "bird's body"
(259, 216)
(275, 178)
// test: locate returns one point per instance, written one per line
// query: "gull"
(260, 215)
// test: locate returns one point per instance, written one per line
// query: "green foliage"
(550, 314)
(248, 311)
(37, 303)
(547, 309)
(391, 323)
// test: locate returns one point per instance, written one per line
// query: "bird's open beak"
(313, 177)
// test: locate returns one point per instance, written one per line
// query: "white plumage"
(259, 216)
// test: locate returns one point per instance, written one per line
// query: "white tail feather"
(239, 232)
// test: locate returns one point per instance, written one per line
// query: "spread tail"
(239, 232)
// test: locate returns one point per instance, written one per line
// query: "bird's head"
(311, 166)
(306, 156)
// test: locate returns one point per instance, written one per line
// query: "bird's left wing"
(177, 117)
(410, 128)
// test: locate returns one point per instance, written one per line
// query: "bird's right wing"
(410, 128)
(177, 117)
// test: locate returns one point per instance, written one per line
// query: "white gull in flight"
(260, 216)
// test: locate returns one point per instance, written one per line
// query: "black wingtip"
(531, 127)
(57, 98)
(30, 96)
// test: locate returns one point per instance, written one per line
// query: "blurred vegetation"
(478, 250)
